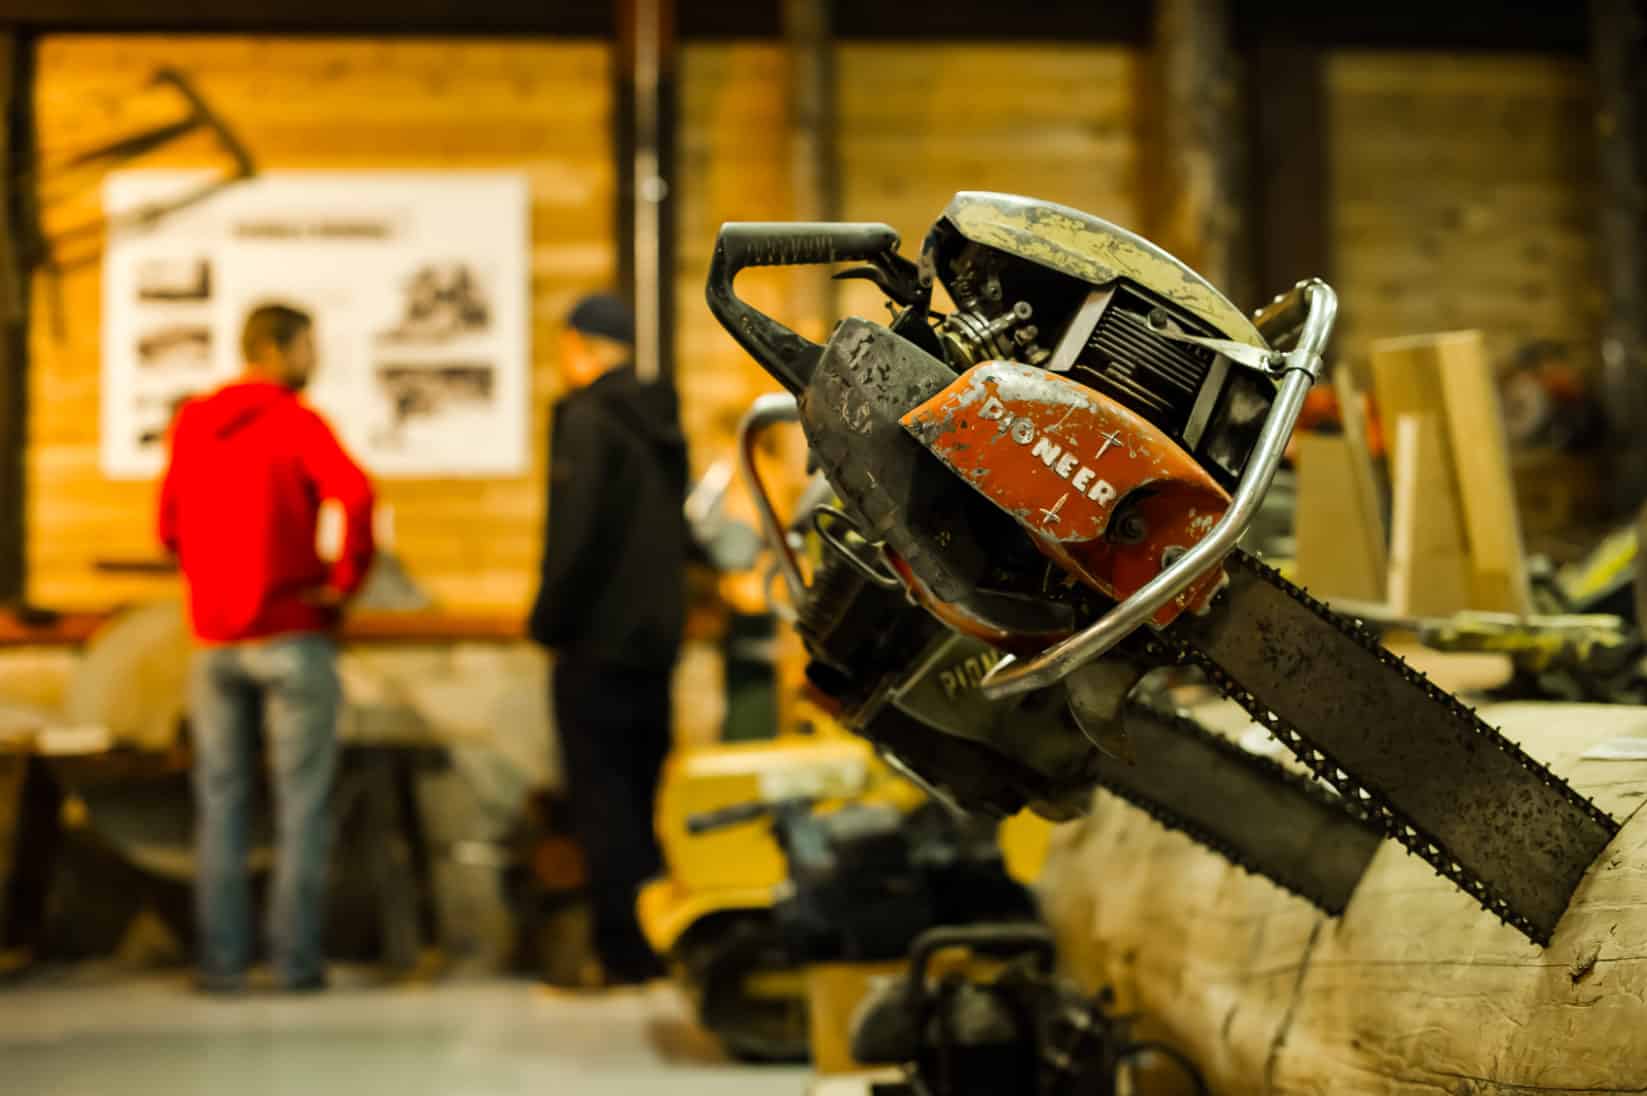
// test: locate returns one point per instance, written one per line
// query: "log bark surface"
(1414, 991)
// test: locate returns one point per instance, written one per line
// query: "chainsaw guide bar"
(1260, 816)
(1426, 768)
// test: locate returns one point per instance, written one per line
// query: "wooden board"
(1415, 991)
(1447, 376)
(1369, 486)
(1340, 537)
(1429, 569)
(1481, 459)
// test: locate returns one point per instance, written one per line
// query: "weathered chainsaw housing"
(1100, 490)
(1069, 456)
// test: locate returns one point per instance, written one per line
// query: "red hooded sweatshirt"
(250, 466)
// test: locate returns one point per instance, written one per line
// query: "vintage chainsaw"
(1060, 468)
(889, 671)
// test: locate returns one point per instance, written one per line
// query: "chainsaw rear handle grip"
(788, 357)
(802, 243)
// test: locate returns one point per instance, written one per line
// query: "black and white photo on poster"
(174, 279)
(175, 347)
(448, 397)
(417, 282)
(155, 411)
(440, 302)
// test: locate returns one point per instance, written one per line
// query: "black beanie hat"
(605, 316)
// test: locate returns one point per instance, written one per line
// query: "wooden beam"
(645, 140)
(1202, 125)
(16, 130)
(1619, 46)
(814, 162)
(1291, 232)
(583, 18)
(1395, 24)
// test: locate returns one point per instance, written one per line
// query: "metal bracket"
(1271, 363)
(765, 412)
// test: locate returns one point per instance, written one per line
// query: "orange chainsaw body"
(1100, 490)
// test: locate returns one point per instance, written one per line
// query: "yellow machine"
(739, 867)
(712, 915)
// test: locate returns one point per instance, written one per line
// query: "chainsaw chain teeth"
(1171, 820)
(1385, 815)
(1308, 785)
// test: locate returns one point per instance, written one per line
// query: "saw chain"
(1436, 778)
(1266, 819)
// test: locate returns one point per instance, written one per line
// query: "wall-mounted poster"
(417, 282)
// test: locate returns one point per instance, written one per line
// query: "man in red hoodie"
(250, 466)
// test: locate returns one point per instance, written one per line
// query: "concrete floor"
(89, 1034)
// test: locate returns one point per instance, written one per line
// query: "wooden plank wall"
(915, 124)
(1463, 187)
(918, 123)
(1463, 191)
(315, 103)
(733, 164)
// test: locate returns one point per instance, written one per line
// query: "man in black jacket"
(611, 606)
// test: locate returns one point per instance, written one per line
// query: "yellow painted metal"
(739, 867)
(1025, 840)
(666, 910)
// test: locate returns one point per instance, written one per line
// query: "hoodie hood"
(651, 410)
(237, 405)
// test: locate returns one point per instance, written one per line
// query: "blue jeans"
(289, 687)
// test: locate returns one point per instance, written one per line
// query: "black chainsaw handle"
(789, 357)
(1001, 941)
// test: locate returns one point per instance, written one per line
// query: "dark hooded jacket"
(614, 562)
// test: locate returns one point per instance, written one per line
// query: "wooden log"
(1414, 991)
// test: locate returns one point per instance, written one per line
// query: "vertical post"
(1618, 36)
(1291, 231)
(1201, 215)
(645, 148)
(16, 118)
(814, 175)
